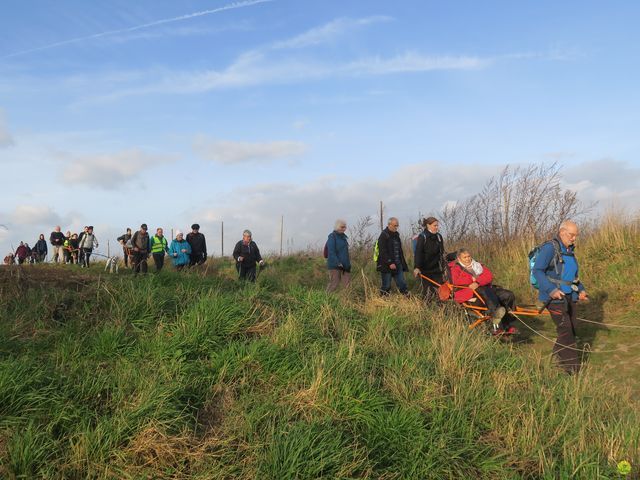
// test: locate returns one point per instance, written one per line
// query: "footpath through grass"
(191, 375)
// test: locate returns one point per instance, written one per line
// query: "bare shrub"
(526, 202)
(362, 239)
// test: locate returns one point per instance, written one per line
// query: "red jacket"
(460, 276)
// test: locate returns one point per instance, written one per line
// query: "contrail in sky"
(231, 6)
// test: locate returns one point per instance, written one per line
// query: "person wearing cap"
(179, 251)
(86, 245)
(125, 241)
(141, 248)
(247, 256)
(158, 248)
(198, 246)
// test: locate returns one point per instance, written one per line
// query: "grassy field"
(193, 375)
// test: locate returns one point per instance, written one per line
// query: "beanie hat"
(178, 232)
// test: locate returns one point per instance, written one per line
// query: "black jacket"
(429, 253)
(57, 239)
(250, 254)
(41, 247)
(386, 242)
(198, 244)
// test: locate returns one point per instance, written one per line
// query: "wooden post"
(281, 232)
(381, 216)
(222, 239)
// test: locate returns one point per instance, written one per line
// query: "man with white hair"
(337, 254)
(391, 262)
(247, 256)
(57, 242)
(556, 272)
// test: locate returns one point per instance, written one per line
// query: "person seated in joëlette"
(477, 280)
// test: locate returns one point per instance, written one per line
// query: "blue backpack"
(557, 260)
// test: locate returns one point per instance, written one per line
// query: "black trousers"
(495, 297)
(139, 262)
(197, 258)
(158, 259)
(86, 255)
(246, 273)
(428, 289)
(563, 314)
(125, 251)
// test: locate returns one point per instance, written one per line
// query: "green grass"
(192, 375)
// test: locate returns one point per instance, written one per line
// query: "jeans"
(398, 276)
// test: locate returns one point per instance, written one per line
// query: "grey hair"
(339, 222)
(460, 251)
(567, 223)
(247, 232)
(391, 219)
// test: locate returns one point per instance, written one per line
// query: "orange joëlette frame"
(476, 309)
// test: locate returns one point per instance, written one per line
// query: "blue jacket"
(177, 247)
(338, 248)
(546, 271)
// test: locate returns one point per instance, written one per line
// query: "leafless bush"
(520, 203)
(362, 239)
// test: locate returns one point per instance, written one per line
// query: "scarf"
(475, 268)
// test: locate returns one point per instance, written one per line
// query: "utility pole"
(281, 232)
(381, 216)
(222, 238)
(108, 248)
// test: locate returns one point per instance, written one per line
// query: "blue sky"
(117, 113)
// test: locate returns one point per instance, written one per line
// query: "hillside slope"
(194, 376)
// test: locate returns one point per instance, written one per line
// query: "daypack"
(557, 260)
(325, 250)
(414, 242)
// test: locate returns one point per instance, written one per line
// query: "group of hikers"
(138, 247)
(65, 248)
(554, 269)
(554, 272)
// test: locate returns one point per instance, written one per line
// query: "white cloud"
(34, 215)
(110, 171)
(228, 152)
(328, 32)
(6, 140)
(414, 62)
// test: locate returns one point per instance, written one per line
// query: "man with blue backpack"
(336, 251)
(554, 272)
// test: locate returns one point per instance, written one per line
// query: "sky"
(115, 113)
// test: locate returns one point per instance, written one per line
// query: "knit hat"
(178, 232)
